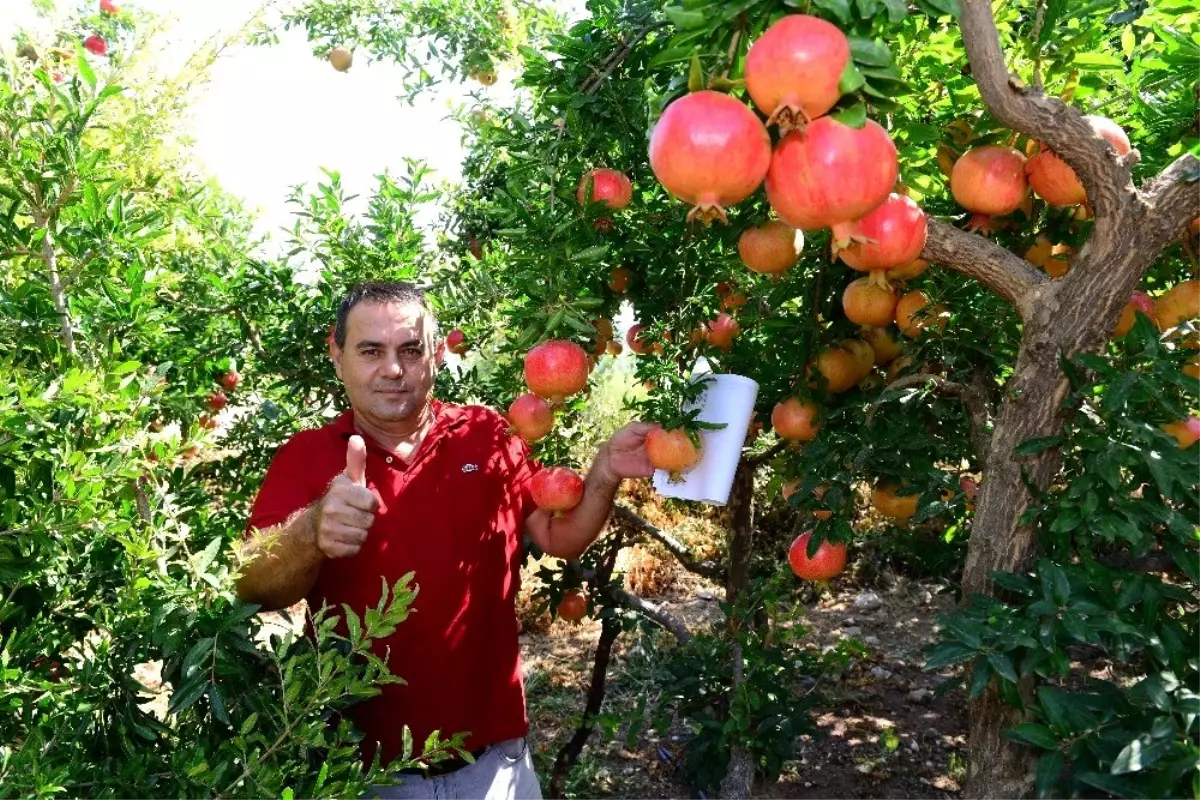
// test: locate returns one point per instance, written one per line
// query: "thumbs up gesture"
(347, 511)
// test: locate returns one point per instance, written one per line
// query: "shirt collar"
(445, 417)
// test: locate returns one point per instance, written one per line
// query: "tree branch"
(665, 619)
(1006, 274)
(1171, 200)
(1104, 175)
(979, 408)
(708, 569)
(767, 455)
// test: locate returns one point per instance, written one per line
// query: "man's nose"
(393, 368)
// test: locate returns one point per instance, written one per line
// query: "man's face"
(389, 361)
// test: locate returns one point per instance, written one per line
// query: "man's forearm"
(285, 563)
(570, 535)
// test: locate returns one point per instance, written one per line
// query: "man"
(402, 482)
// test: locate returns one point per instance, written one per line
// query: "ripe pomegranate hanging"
(883, 344)
(908, 271)
(889, 237)
(914, 314)
(722, 330)
(731, 299)
(711, 151)
(604, 335)
(862, 354)
(796, 421)
(828, 561)
(1055, 181)
(530, 417)
(573, 606)
(1139, 302)
(1178, 304)
(217, 401)
(95, 45)
(771, 248)
(608, 186)
(556, 369)
(839, 367)
(792, 71)
(556, 489)
(891, 505)
(341, 59)
(830, 175)
(456, 342)
(672, 450)
(637, 341)
(1186, 432)
(619, 279)
(109, 7)
(989, 181)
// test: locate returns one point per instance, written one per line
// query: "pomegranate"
(868, 301)
(828, 561)
(1186, 432)
(608, 186)
(95, 45)
(883, 344)
(891, 505)
(530, 417)
(230, 380)
(731, 299)
(217, 401)
(830, 175)
(863, 355)
(891, 236)
(711, 151)
(796, 421)
(573, 606)
(639, 344)
(486, 77)
(614, 348)
(771, 248)
(793, 70)
(109, 7)
(899, 366)
(1139, 302)
(619, 279)
(475, 248)
(1178, 304)
(840, 368)
(340, 59)
(908, 271)
(604, 335)
(698, 336)
(456, 342)
(722, 330)
(819, 493)
(674, 451)
(206, 422)
(556, 489)
(970, 488)
(914, 314)
(1055, 181)
(1055, 259)
(556, 369)
(989, 181)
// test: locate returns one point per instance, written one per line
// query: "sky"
(272, 117)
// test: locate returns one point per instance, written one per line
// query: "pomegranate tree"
(830, 175)
(827, 562)
(771, 248)
(530, 417)
(607, 186)
(676, 451)
(556, 370)
(793, 70)
(889, 237)
(710, 151)
(557, 489)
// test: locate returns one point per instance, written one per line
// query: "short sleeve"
(288, 487)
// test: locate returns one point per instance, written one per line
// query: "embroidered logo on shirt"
(470, 468)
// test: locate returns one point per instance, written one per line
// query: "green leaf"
(1113, 784)
(851, 79)
(217, 702)
(591, 253)
(1033, 447)
(838, 8)
(855, 116)
(873, 53)
(1033, 734)
(1054, 12)
(1139, 754)
(683, 18)
(897, 10)
(186, 695)
(1049, 772)
(866, 8)
(949, 653)
(981, 675)
(1002, 664)
(695, 75)
(85, 69)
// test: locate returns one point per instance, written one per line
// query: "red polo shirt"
(455, 517)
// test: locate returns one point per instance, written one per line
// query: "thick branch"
(652, 612)
(1105, 176)
(1006, 274)
(978, 407)
(708, 569)
(1171, 200)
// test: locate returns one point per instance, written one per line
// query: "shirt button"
(389, 459)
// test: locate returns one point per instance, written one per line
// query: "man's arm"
(623, 456)
(286, 562)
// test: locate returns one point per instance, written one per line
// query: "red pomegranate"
(770, 249)
(792, 71)
(108, 7)
(95, 45)
(883, 344)
(1138, 302)
(989, 181)
(530, 417)
(557, 489)
(556, 369)
(230, 380)
(619, 279)
(1055, 181)
(638, 342)
(722, 330)
(868, 301)
(573, 606)
(217, 401)
(456, 342)
(672, 450)
(831, 174)
(828, 561)
(604, 335)
(608, 186)
(796, 421)
(891, 236)
(1186, 432)
(711, 151)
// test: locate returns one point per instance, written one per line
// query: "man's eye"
(370, 353)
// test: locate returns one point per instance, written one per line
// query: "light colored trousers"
(503, 772)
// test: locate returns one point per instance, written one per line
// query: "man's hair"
(382, 292)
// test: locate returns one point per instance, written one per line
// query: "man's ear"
(439, 352)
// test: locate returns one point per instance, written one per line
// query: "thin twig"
(665, 619)
(708, 569)
(764, 457)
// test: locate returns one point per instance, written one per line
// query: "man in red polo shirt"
(402, 482)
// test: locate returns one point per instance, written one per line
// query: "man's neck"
(398, 437)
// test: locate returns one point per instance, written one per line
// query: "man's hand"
(625, 455)
(347, 510)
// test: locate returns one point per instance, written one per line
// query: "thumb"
(356, 460)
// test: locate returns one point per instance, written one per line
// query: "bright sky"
(272, 117)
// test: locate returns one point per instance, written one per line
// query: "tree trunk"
(50, 260)
(740, 776)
